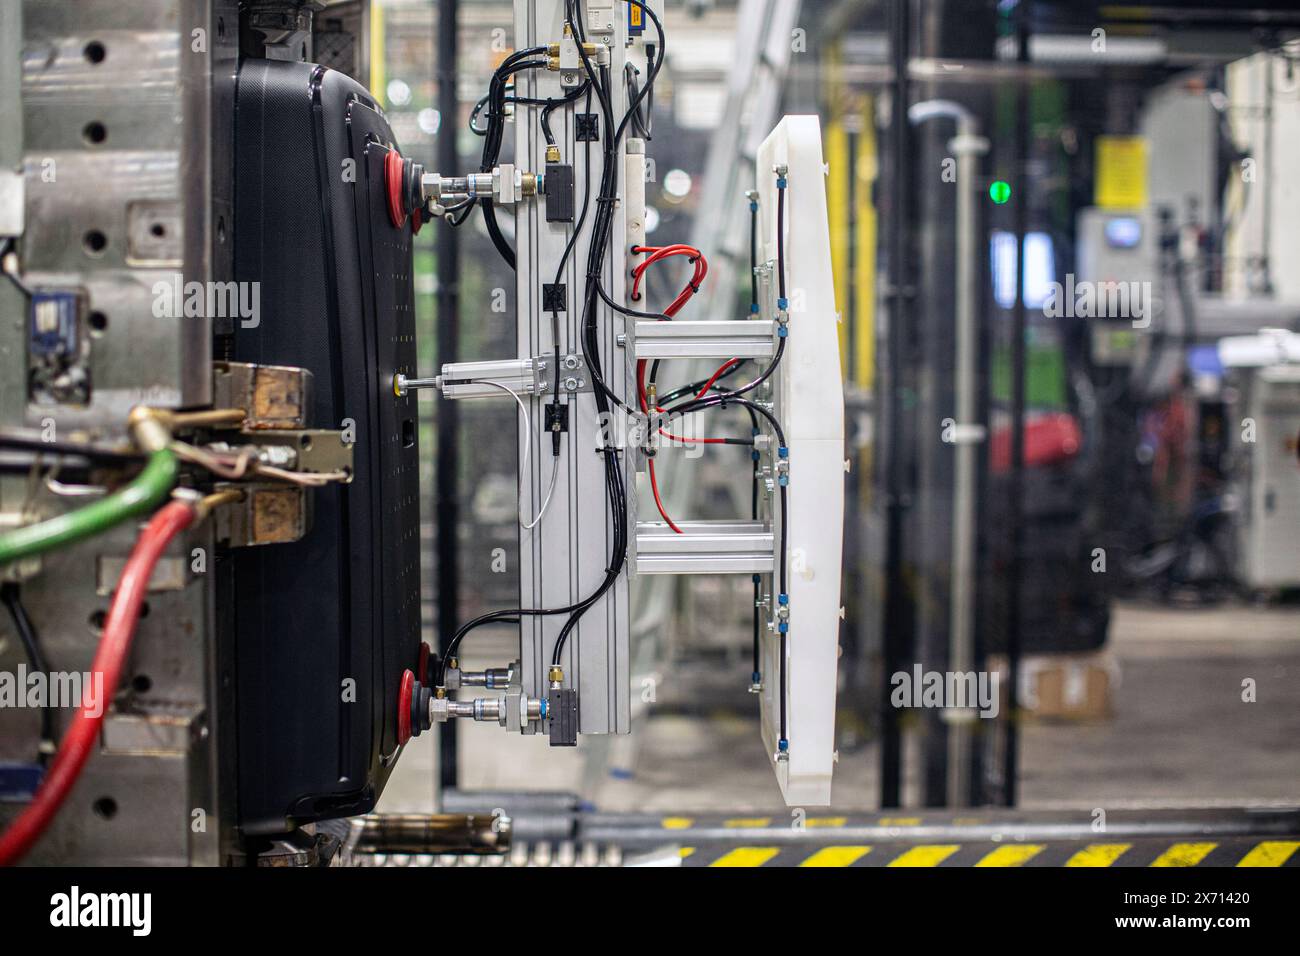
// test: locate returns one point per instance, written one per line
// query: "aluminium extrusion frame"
(807, 397)
(564, 558)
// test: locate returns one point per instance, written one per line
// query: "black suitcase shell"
(343, 603)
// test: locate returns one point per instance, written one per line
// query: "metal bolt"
(402, 385)
(571, 384)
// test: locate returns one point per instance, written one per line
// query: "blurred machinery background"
(1062, 238)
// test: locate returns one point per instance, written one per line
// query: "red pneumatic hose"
(114, 646)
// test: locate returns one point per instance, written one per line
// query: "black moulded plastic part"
(559, 192)
(562, 716)
(336, 296)
(555, 297)
(586, 127)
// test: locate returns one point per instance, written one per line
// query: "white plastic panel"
(810, 405)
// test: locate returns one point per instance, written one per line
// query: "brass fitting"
(149, 428)
(215, 500)
(556, 675)
(152, 427)
(552, 153)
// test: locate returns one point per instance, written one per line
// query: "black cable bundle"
(615, 488)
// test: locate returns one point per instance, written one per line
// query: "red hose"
(114, 646)
(654, 486)
(658, 254)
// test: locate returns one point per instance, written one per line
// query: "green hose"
(146, 490)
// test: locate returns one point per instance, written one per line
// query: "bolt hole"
(105, 808)
(141, 683)
(94, 52)
(98, 323)
(95, 132)
(157, 230)
(305, 442)
(94, 242)
(97, 619)
(221, 229)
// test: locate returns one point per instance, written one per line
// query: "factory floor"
(1179, 734)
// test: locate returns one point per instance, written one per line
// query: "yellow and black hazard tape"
(956, 841)
(1068, 853)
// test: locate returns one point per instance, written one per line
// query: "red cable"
(658, 254)
(654, 486)
(114, 646)
(726, 366)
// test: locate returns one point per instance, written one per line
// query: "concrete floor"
(1179, 736)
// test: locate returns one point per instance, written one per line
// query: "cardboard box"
(1066, 686)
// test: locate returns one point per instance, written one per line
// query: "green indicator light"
(999, 191)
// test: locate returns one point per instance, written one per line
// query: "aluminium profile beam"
(705, 547)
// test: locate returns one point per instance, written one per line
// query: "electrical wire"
(559, 274)
(11, 246)
(32, 440)
(528, 442)
(139, 495)
(11, 597)
(615, 488)
(110, 658)
(546, 501)
(701, 269)
(240, 463)
(515, 63)
(721, 399)
(601, 236)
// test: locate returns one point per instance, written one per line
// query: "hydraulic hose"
(141, 494)
(110, 658)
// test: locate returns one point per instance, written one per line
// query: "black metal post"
(1016, 529)
(448, 298)
(897, 612)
